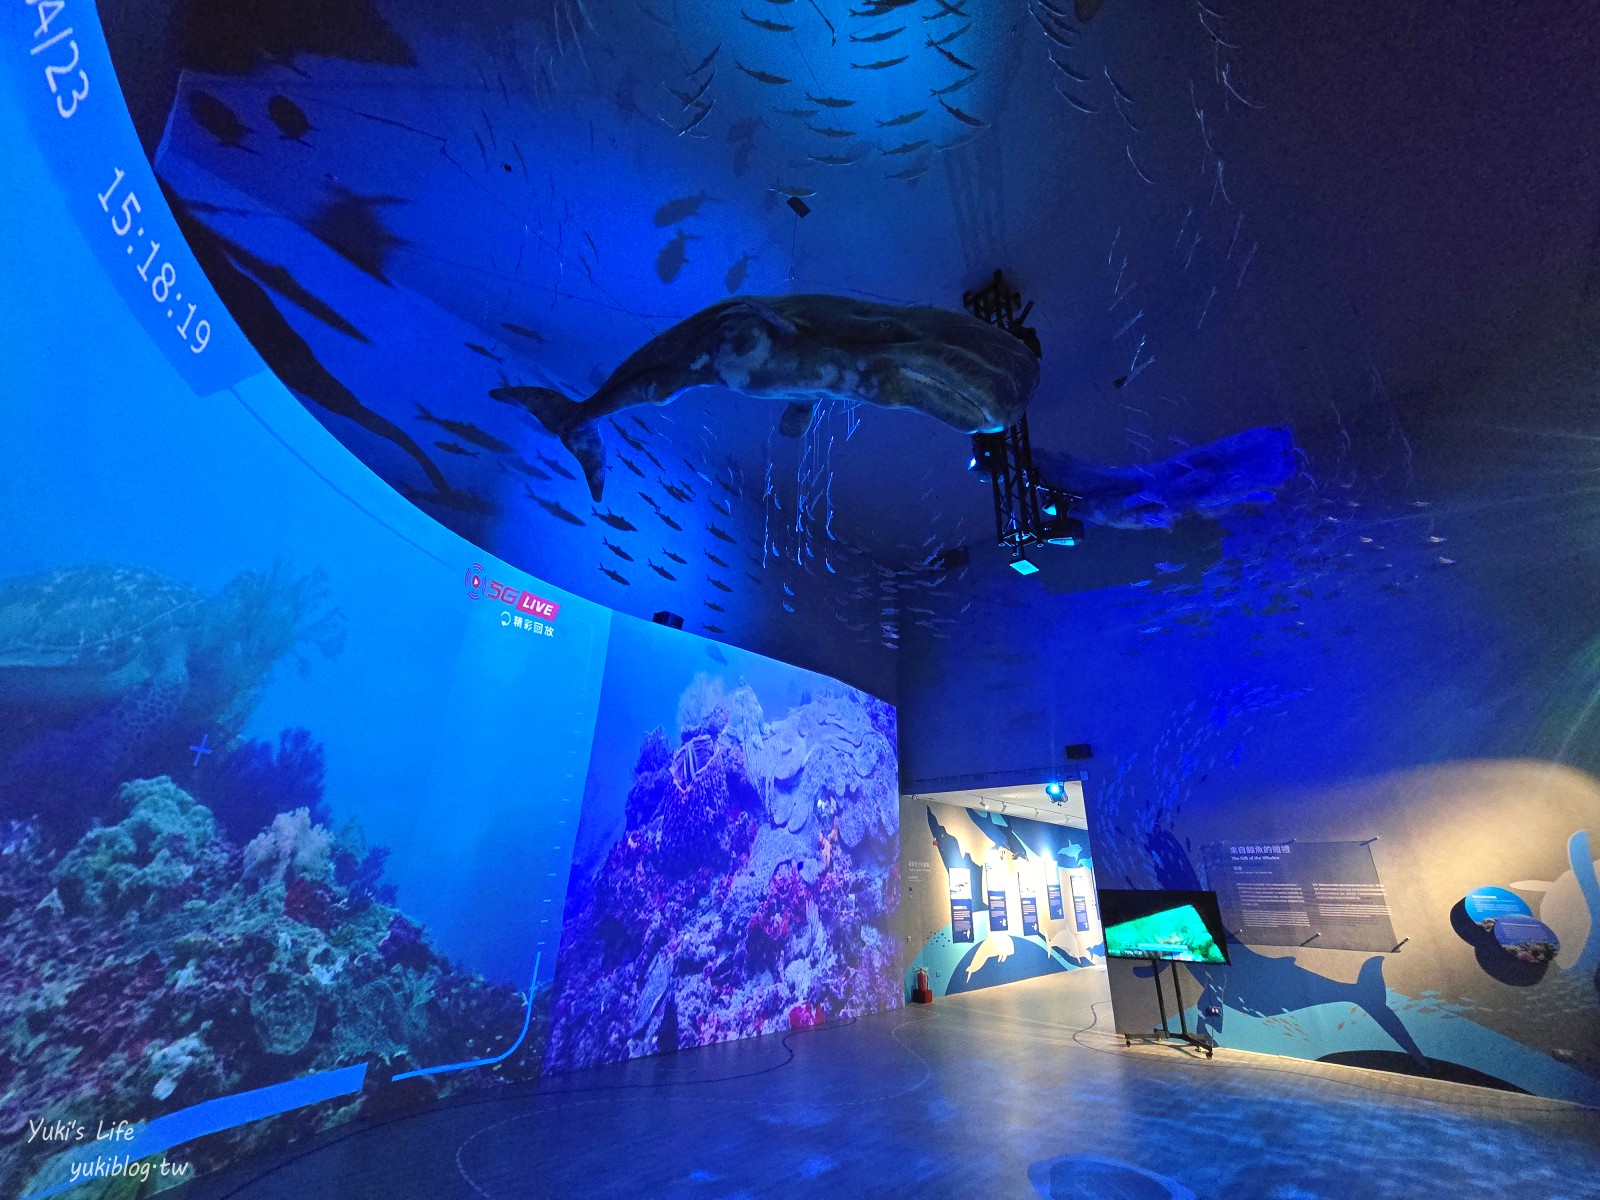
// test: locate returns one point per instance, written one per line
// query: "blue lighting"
(1023, 567)
(1055, 790)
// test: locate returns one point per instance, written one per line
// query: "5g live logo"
(523, 601)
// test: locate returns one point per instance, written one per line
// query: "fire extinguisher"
(922, 993)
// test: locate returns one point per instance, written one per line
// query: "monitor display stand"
(1165, 1033)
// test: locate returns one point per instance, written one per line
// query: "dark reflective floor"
(983, 1095)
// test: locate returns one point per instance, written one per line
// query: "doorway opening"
(997, 887)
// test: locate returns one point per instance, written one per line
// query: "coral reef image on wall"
(274, 831)
(188, 911)
(736, 869)
(156, 964)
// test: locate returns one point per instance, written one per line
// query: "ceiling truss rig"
(1027, 511)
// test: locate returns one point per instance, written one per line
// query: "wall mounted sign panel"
(1323, 894)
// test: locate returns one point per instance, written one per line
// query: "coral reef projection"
(751, 887)
(157, 963)
(164, 946)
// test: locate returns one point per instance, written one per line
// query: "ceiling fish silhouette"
(220, 121)
(734, 279)
(1206, 481)
(466, 431)
(681, 209)
(351, 225)
(285, 351)
(290, 118)
(277, 277)
(673, 256)
(805, 349)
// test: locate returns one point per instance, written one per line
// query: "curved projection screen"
(309, 807)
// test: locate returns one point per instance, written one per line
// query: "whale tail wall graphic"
(1260, 985)
(1371, 994)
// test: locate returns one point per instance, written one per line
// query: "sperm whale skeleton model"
(961, 370)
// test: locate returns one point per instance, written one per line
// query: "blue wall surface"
(1401, 648)
(307, 804)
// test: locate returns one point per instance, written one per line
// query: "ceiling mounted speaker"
(1079, 750)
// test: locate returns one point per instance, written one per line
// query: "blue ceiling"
(1227, 215)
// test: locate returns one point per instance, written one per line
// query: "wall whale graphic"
(806, 349)
(1261, 985)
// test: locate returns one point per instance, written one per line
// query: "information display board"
(1030, 914)
(960, 904)
(1322, 894)
(1080, 906)
(997, 910)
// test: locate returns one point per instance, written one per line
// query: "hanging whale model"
(973, 376)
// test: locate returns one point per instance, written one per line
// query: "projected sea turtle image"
(101, 665)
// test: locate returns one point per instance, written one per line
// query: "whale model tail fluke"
(569, 421)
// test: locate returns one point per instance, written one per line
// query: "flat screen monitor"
(1180, 926)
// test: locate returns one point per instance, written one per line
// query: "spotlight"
(1055, 525)
(988, 453)
(1055, 791)
(1022, 566)
(1061, 530)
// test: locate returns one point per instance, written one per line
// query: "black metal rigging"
(1026, 509)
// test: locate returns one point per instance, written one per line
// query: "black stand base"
(1169, 1037)
(1164, 1033)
